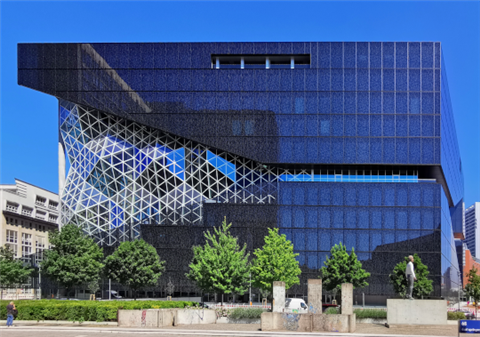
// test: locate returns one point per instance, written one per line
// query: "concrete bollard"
(315, 296)
(347, 299)
(278, 304)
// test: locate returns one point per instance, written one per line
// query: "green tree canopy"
(74, 259)
(12, 271)
(134, 264)
(421, 287)
(221, 265)
(275, 261)
(342, 267)
(472, 288)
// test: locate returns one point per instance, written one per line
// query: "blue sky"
(29, 122)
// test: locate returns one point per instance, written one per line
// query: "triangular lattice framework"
(123, 174)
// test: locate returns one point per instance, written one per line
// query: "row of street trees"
(221, 265)
(76, 259)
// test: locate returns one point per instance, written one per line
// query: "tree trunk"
(135, 295)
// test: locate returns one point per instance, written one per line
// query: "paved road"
(59, 331)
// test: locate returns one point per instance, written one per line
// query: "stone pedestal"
(416, 312)
(278, 296)
(347, 299)
(315, 296)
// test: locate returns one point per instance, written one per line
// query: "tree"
(74, 259)
(134, 264)
(472, 289)
(421, 287)
(342, 267)
(12, 271)
(220, 266)
(275, 261)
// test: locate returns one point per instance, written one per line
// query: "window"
(260, 61)
(13, 248)
(39, 247)
(39, 215)
(52, 218)
(236, 127)
(40, 201)
(26, 247)
(11, 241)
(11, 236)
(12, 207)
(52, 204)
(27, 211)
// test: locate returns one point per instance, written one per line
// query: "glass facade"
(355, 143)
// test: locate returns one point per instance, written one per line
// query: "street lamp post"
(40, 281)
(250, 291)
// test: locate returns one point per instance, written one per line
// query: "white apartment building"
(472, 229)
(28, 214)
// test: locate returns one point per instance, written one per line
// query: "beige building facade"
(29, 213)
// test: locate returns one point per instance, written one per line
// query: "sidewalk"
(368, 330)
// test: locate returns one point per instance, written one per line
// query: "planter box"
(227, 320)
(157, 318)
(271, 321)
(416, 312)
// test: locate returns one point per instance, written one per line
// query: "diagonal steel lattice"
(123, 173)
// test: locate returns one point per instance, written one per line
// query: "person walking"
(11, 310)
(410, 275)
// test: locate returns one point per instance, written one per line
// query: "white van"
(296, 305)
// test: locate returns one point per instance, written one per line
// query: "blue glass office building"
(330, 142)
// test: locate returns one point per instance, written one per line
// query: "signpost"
(469, 326)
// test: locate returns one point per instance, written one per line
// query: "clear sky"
(29, 121)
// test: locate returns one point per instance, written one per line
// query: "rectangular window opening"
(297, 61)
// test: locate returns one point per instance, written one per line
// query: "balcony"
(12, 208)
(26, 212)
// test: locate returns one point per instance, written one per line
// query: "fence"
(233, 306)
(18, 294)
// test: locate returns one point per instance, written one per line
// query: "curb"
(52, 322)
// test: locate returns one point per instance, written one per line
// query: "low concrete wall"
(334, 323)
(190, 316)
(371, 320)
(307, 322)
(157, 318)
(166, 317)
(416, 312)
(147, 318)
(227, 320)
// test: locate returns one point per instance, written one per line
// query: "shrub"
(370, 313)
(360, 313)
(80, 311)
(331, 311)
(242, 313)
(455, 315)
